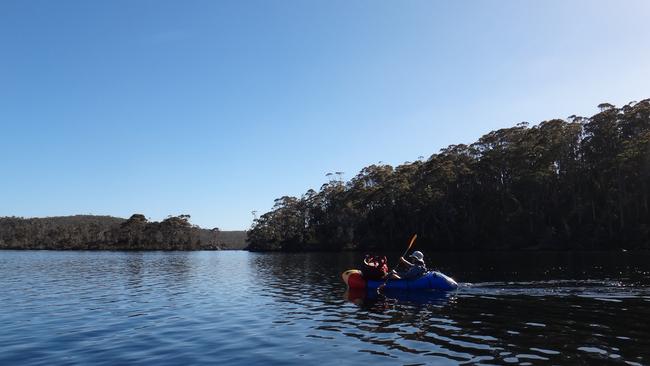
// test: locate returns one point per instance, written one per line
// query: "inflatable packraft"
(432, 280)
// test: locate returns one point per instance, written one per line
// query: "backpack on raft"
(374, 267)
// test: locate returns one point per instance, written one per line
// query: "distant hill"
(232, 240)
(89, 232)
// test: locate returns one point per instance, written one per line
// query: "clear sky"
(216, 108)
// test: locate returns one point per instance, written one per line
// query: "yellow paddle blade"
(415, 236)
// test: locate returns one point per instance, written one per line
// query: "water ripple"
(239, 308)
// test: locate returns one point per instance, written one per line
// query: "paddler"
(416, 267)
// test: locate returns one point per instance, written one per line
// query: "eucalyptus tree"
(575, 183)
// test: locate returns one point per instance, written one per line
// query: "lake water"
(240, 308)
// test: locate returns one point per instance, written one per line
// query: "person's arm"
(393, 275)
(406, 262)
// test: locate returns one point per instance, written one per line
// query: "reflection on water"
(239, 308)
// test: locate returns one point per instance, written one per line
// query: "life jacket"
(374, 267)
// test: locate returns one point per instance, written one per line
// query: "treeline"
(86, 232)
(580, 183)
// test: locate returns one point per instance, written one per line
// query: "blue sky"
(215, 108)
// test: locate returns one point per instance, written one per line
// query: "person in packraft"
(416, 267)
(374, 267)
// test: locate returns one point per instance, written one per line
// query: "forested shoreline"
(88, 232)
(579, 183)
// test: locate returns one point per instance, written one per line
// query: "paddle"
(381, 287)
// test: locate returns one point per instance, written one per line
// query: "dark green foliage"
(582, 183)
(86, 232)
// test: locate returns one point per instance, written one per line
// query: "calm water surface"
(241, 308)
